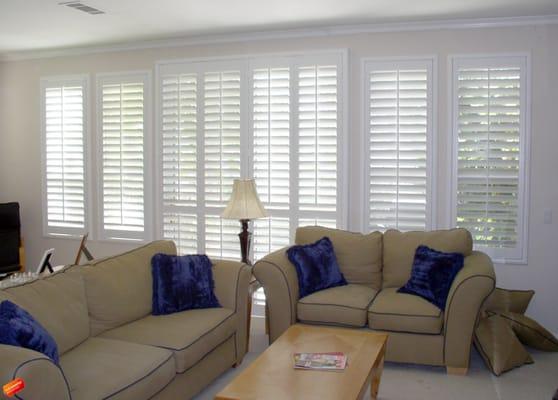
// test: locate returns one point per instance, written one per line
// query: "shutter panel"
(488, 159)
(122, 129)
(179, 158)
(271, 154)
(221, 159)
(398, 131)
(317, 130)
(222, 135)
(64, 157)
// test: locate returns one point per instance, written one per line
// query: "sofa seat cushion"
(190, 334)
(342, 305)
(111, 369)
(401, 312)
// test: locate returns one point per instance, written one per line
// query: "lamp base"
(245, 237)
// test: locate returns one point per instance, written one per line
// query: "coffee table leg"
(375, 379)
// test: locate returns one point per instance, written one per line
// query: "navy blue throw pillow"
(316, 266)
(432, 275)
(19, 328)
(182, 283)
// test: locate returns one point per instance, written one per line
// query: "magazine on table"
(320, 361)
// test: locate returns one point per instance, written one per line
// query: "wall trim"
(325, 31)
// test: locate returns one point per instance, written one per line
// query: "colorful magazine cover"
(320, 361)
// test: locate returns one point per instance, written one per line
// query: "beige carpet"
(537, 381)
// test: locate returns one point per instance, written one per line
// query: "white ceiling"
(44, 24)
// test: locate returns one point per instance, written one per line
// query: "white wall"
(20, 172)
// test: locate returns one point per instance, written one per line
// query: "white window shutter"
(123, 125)
(64, 154)
(221, 111)
(317, 137)
(398, 127)
(271, 156)
(178, 144)
(490, 166)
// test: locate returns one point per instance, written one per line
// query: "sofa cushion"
(112, 369)
(182, 283)
(401, 312)
(190, 335)
(19, 328)
(399, 250)
(342, 305)
(58, 303)
(359, 256)
(316, 266)
(119, 288)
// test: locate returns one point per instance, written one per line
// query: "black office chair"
(12, 255)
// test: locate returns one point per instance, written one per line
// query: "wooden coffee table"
(272, 376)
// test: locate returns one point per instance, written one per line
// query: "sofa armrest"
(232, 279)
(471, 287)
(43, 378)
(278, 277)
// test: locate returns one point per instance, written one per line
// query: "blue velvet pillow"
(432, 275)
(316, 266)
(19, 328)
(182, 283)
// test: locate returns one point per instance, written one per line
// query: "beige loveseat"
(110, 345)
(375, 266)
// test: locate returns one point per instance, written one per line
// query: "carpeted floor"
(537, 381)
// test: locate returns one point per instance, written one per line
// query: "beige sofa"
(375, 265)
(110, 345)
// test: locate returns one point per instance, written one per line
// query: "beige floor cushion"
(359, 256)
(401, 312)
(498, 345)
(190, 335)
(342, 305)
(502, 300)
(112, 369)
(530, 332)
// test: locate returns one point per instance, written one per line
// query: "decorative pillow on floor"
(432, 274)
(316, 266)
(502, 300)
(19, 328)
(182, 283)
(530, 332)
(498, 345)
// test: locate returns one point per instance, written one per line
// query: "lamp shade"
(244, 202)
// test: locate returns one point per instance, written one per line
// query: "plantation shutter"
(271, 156)
(123, 126)
(490, 126)
(221, 111)
(398, 123)
(178, 130)
(64, 136)
(317, 136)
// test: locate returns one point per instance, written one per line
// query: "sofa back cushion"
(359, 256)
(58, 303)
(399, 250)
(119, 288)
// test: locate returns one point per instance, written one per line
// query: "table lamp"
(244, 205)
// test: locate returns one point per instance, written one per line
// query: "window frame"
(430, 62)
(519, 254)
(63, 80)
(246, 64)
(145, 76)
